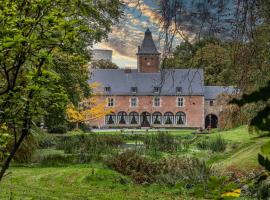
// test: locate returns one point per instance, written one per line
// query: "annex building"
(150, 97)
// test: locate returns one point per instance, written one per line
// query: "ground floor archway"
(211, 121)
(145, 119)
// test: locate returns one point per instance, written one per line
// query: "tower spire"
(148, 55)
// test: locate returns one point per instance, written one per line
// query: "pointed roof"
(148, 46)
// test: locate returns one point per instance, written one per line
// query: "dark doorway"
(145, 119)
(211, 121)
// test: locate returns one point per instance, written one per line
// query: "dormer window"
(107, 89)
(134, 89)
(156, 89)
(179, 90)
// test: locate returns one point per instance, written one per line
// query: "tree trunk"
(25, 132)
(12, 154)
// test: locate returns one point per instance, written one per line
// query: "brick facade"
(193, 109)
(148, 63)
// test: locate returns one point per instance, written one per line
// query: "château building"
(150, 97)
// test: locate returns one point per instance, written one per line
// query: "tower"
(148, 56)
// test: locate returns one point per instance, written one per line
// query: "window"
(134, 89)
(156, 102)
(178, 90)
(157, 118)
(122, 117)
(110, 119)
(111, 102)
(180, 118)
(107, 89)
(168, 118)
(180, 102)
(133, 118)
(156, 89)
(134, 102)
(211, 103)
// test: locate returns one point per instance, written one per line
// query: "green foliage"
(162, 141)
(103, 64)
(87, 146)
(44, 58)
(215, 144)
(4, 141)
(58, 129)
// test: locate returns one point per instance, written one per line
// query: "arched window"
(157, 118)
(133, 118)
(110, 118)
(122, 118)
(168, 118)
(145, 119)
(180, 118)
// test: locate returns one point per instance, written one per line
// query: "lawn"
(95, 181)
(77, 182)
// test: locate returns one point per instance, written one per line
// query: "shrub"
(86, 145)
(162, 141)
(47, 141)
(139, 168)
(26, 149)
(167, 171)
(58, 129)
(57, 159)
(216, 144)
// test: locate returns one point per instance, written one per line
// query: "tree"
(103, 64)
(35, 39)
(89, 109)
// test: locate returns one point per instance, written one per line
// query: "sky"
(128, 34)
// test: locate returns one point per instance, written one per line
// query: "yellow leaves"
(235, 193)
(74, 115)
(97, 87)
(92, 109)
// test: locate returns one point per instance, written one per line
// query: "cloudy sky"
(128, 34)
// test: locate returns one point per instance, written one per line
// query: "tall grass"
(162, 141)
(215, 144)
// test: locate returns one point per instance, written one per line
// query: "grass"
(78, 182)
(94, 181)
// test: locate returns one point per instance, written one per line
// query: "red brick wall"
(194, 107)
(152, 59)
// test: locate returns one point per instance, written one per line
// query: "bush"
(216, 144)
(86, 145)
(57, 159)
(58, 129)
(47, 141)
(26, 150)
(140, 169)
(162, 141)
(167, 171)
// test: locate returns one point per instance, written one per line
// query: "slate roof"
(211, 92)
(148, 46)
(120, 81)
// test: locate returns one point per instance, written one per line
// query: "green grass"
(78, 182)
(97, 182)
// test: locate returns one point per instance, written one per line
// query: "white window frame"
(154, 101)
(130, 102)
(178, 102)
(110, 103)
